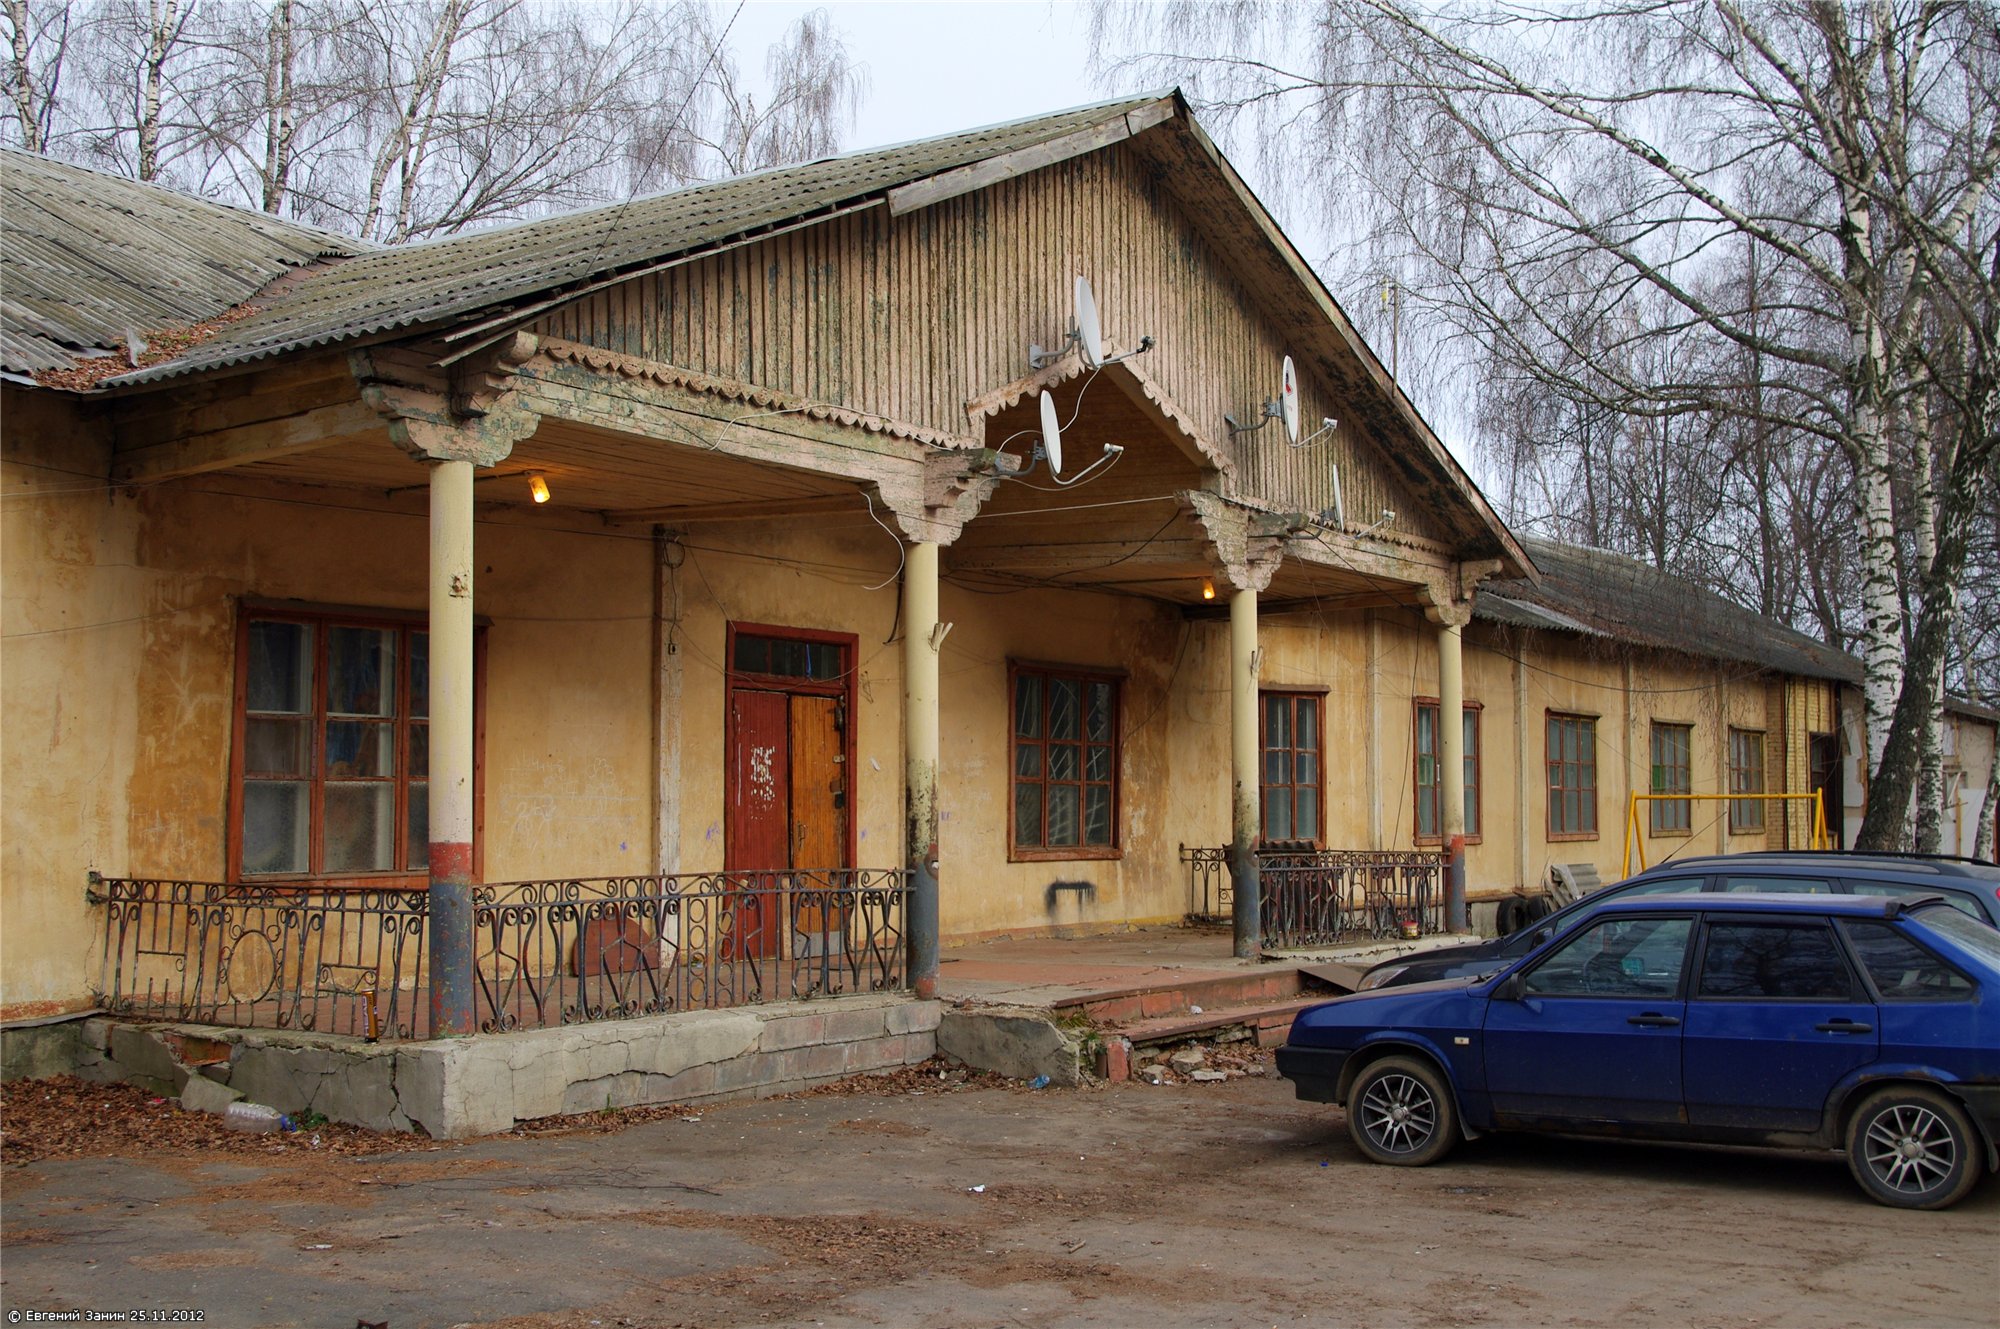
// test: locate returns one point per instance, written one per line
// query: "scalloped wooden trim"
(631, 366)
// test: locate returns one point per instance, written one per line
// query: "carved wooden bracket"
(470, 414)
(1246, 547)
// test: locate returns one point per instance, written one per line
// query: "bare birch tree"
(1533, 172)
(397, 121)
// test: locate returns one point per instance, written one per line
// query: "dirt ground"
(955, 1202)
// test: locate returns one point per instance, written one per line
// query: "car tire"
(1913, 1148)
(1511, 916)
(1400, 1111)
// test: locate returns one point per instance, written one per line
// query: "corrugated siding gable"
(913, 317)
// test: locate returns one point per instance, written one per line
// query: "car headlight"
(1376, 978)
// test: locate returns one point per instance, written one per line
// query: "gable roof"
(453, 278)
(499, 278)
(93, 257)
(1596, 593)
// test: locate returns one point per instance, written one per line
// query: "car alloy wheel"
(1912, 1147)
(1401, 1111)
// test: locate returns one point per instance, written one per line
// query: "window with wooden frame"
(330, 757)
(1428, 772)
(1064, 800)
(1673, 773)
(1289, 790)
(1572, 767)
(1746, 776)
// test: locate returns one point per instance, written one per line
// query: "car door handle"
(1844, 1027)
(1653, 1020)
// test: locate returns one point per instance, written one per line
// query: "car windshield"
(1981, 940)
(1520, 943)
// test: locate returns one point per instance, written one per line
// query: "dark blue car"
(1811, 1021)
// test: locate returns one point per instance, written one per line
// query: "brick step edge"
(1269, 1023)
(1166, 1000)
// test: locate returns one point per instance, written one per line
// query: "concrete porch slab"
(453, 1088)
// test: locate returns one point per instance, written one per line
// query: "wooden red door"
(759, 821)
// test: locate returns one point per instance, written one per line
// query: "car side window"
(1779, 885)
(1897, 890)
(1901, 969)
(1615, 957)
(1774, 961)
(1662, 886)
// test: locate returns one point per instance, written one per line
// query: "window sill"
(390, 881)
(1065, 854)
(1566, 837)
(1654, 833)
(1437, 841)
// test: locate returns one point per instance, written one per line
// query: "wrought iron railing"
(1317, 896)
(546, 952)
(1211, 890)
(1313, 897)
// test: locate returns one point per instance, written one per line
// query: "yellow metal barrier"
(1820, 838)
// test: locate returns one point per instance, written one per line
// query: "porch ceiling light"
(538, 487)
(1208, 588)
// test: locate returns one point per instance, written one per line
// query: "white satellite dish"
(1089, 333)
(1288, 401)
(1051, 430)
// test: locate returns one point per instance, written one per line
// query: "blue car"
(1860, 1023)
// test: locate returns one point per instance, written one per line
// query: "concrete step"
(1267, 984)
(1266, 1022)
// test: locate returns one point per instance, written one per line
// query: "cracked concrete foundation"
(452, 1088)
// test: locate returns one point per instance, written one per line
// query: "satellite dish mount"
(1050, 450)
(1085, 333)
(1285, 407)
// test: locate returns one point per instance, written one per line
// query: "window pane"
(1781, 885)
(1028, 815)
(1426, 732)
(1773, 961)
(280, 668)
(360, 671)
(360, 748)
(1097, 764)
(1065, 700)
(1305, 768)
(276, 747)
(1276, 766)
(1624, 957)
(1028, 705)
(274, 826)
(1062, 761)
(1277, 814)
(420, 751)
(1308, 817)
(420, 674)
(753, 654)
(417, 850)
(1309, 723)
(360, 827)
(1062, 814)
(1099, 727)
(1028, 760)
(1277, 722)
(1903, 970)
(1097, 815)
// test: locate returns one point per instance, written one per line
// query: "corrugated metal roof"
(1599, 593)
(453, 278)
(91, 257)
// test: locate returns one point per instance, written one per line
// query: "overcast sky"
(937, 67)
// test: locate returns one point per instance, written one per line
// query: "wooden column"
(451, 959)
(1244, 762)
(1450, 622)
(920, 761)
